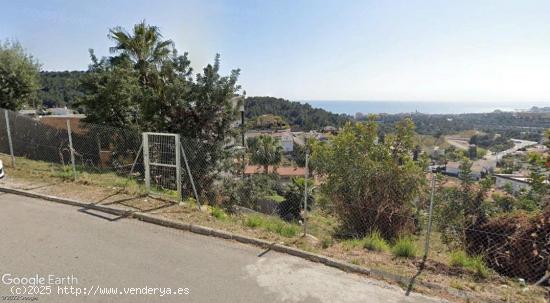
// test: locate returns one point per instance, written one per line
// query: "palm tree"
(144, 47)
(266, 151)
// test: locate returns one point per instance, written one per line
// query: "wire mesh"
(481, 244)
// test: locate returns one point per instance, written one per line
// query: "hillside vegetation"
(299, 116)
(60, 89)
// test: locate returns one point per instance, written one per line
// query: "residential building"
(286, 139)
(452, 168)
(516, 182)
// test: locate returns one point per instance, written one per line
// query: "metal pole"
(135, 160)
(429, 231)
(9, 137)
(190, 177)
(243, 142)
(71, 147)
(427, 243)
(145, 143)
(305, 193)
(178, 166)
(242, 127)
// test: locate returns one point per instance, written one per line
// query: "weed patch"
(375, 242)
(405, 247)
(272, 224)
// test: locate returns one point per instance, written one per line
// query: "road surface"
(137, 261)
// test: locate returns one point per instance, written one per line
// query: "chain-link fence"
(447, 239)
(68, 147)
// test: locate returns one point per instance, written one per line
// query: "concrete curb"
(145, 217)
(105, 209)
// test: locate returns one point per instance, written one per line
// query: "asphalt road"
(54, 241)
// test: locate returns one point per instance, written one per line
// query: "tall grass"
(405, 247)
(475, 264)
(375, 242)
(218, 213)
(272, 224)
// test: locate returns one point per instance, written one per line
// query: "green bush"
(363, 172)
(218, 213)
(375, 242)
(459, 258)
(475, 264)
(405, 248)
(478, 266)
(247, 192)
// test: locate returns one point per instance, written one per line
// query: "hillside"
(59, 88)
(520, 125)
(299, 116)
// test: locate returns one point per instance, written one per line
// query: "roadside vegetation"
(366, 195)
(372, 250)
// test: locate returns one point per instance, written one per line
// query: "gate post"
(178, 165)
(9, 137)
(71, 147)
(146, 161)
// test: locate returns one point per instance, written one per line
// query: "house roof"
(286, 171)
(452, 165)
(282, 134)
(514, 177)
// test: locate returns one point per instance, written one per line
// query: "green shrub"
(253, 221)
(218, 213)
(478, 266)
(375, 242)
(459, 258)
(404, 248)
(475, 264)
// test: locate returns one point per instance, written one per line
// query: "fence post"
(71, 147)
(145, 143)
(427, 242)
(178, 166)
(306, 173)
(190, 177)
(429, 231)
(9, 137)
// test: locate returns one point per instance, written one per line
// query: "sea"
(396, 107)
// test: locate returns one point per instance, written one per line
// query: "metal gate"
(161, 158)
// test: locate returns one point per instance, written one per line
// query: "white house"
(287, 141)
(517, 182)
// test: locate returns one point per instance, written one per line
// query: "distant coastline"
(396, 107)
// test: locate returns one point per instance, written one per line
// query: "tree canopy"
(58, 89)
(265, 151)
(19, 79)
(146, 85)
(299, 116)
(371, 183)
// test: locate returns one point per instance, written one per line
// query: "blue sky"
(485, 51)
